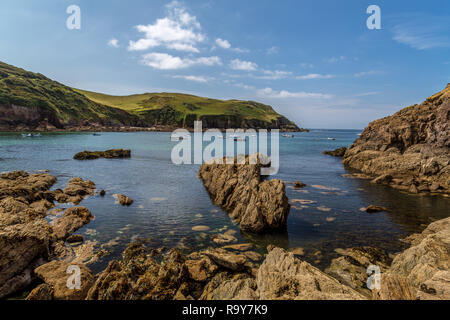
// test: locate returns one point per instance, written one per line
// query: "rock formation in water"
(409, 150)
(108, 154)
(339, 152)
(257, 205)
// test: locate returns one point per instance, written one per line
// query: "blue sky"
(314, 61)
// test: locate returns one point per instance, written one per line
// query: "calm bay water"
(169, 200)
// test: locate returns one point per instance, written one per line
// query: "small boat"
(332, 139)
(96, 134)
(30, 135)
(287, 135)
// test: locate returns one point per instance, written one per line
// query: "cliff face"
(409, 150)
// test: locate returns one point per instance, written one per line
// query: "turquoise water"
(169, 200)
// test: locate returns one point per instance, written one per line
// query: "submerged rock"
(298, 185)
(257, 205)
(412, 147)
(374, 209)
(339, 152)
(108, 154)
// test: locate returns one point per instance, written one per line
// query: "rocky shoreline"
(100, 128)
(34, 249)
(409, 150)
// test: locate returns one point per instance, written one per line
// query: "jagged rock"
(239, 247)
(124, 200)
(71, 220)
(224, 238)
(351, 268)
(201, 270)
(255, 204)
(373, 209)
(298, 185)
(225, 286)
(414, 142)
(75, 238)
(394, 287)
(108, 154)
(383, 179)
(55, 274)
(227, 259)
(138, 276)
(20, 246)
(284, 277)
(41, 292)
(339, 152)
(426, 264)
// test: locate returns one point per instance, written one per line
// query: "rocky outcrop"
(26, 238)
(426, 264)
(351, 267)
(123, 199)
(339, 152)
(108, 154)
(282, 276)
(257, 205)
(71, 220)
(56, 275)
(412, 147)
(76, 191)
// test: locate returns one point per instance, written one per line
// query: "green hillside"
(30, 99)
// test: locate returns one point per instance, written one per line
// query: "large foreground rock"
(282, 276)
(55, 275)
(411, 146)
(426, 264)
(256, 204)
(26, 238)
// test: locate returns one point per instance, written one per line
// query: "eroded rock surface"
(411, 147)
(426, 264)
(108, 154)
(256, 204)
(26, 238)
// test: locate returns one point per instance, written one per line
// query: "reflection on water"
(169, 200)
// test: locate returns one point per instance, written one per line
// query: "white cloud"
(335, 59)
(193, 78)
(306, 65)
(237, 64)
(423, 32)
(178, 31)
(312, 76)
(223, 43)
(274, 75)
(272, 50)
(113, 43)
(164, 61)
(368, 73)
(283, 94)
